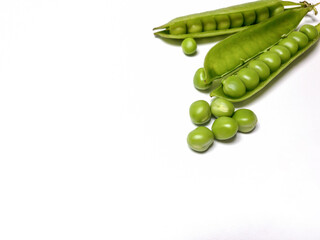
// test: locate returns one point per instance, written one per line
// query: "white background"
(93, 126)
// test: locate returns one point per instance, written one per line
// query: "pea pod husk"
(218, 92)
(241, 8)
(235, 51)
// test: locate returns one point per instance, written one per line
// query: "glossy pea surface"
(282, 51)
(249, 17)
(246, 119)
(200, 139)
(291, 44)
(224, 128)
(234, 87)
(221, 108)
(272, 59)
(200, 112)
(261, 68)
(200, 80)
(310, 31)
(249, 77)
(300, 38)
(189, 46)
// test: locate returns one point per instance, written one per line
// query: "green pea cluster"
(259, 69)
(225, 126)
(225, 21)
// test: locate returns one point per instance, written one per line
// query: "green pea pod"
(219, 92)
(222, 21)
(234, 51)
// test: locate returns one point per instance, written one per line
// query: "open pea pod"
(297, 44)
(222, 21)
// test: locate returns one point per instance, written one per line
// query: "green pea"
(224, 128)
(310, 31)
(291, 44)
(282, 51)
(236, 20)
(262, 14)
(189, 46)
(200, 112)
(209, 24)
(221, 108)
(276, 9)
(233, 87)
(249, 77)
(223, 22)
(178, 28)
(272, 59)
(200, 139)
(200, 80)
(249, 17)
(300, 38)
(246, 120)
(194, 26)
(261, 68)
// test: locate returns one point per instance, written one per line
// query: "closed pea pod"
(218, 92)
(228, 20)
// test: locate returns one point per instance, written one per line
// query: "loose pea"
(262, 14)
(224, 128)
(236, 20)
(200, 112)
(200, 80)
(272, 59)
(200, 139)
(310, 31)
(189, 46)
(209, 24)
(233, 87)
(178, 28)
(249, 17)
(221, 108)
(246, 120)
(261, 68)
(223, 22)
(300, 38)
(194, 26)
(249, 77)
(291, 44)
(282, 51)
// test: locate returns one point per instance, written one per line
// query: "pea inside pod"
(226, 20)
(286, 53)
